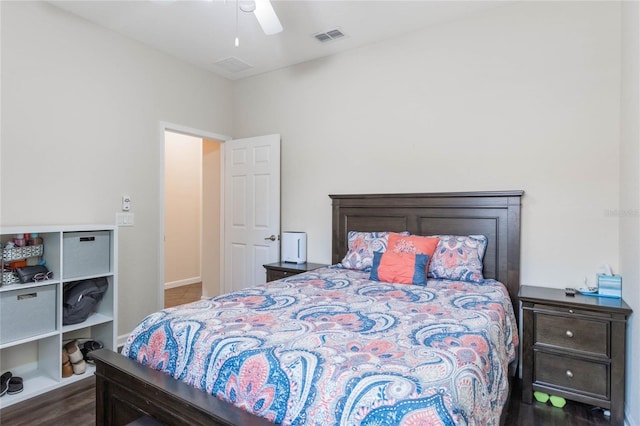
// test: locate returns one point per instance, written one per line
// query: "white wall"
(211, 225)
(182, 209)
(629, 212)
(81, 112)
(524, 96)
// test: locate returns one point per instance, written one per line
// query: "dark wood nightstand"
(278, 270)
(574, 347)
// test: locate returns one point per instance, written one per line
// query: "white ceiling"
(202, 32)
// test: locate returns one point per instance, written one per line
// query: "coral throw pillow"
(406, 260)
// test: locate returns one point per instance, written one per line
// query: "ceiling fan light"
(267, 17)
(247, 5)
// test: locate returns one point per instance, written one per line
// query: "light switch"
(124, 219)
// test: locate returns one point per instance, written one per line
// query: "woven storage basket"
(9, 277)
(17, 253)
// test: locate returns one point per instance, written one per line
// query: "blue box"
(609, 285)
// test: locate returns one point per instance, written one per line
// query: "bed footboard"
(127, 391)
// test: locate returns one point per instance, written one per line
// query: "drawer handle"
(569, 333)
(27, 296)
(569, 374)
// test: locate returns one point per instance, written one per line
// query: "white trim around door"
(177, 128)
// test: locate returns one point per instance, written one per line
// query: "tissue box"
(610, 285)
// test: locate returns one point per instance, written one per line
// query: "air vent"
(232, 64)
(329, 35)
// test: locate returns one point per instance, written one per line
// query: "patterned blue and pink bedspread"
(330, 347)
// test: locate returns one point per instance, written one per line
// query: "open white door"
(251, 209)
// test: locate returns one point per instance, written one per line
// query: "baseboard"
(180, 283)
(121, 340)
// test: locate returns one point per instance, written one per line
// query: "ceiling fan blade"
(267, 17)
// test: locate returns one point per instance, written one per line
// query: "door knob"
(272, 238)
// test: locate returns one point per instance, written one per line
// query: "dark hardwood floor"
(75, 405)
(183, 294)
(72, 405)
(539, 414)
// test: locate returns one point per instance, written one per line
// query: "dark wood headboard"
(495, 214)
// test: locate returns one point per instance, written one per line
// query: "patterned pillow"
(405, 261)
(362, 245)
(459, 258)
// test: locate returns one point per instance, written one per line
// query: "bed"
(332, 346)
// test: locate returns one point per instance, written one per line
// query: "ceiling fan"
(264, 13)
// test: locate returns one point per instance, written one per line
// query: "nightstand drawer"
(572, 333)
(279, 270)
(571, 374)
(273, 275)
(572, 310)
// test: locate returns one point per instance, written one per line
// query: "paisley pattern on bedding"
(331, 347)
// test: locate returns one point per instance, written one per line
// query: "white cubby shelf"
(32, 313)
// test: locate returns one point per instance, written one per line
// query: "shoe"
(541, 396)
(15, 385)
(4, 382)
(557, 401)
(79, 367)
(88, 347)
(75, 356)
(67, 368)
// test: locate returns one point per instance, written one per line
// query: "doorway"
(191, 219)
(261, 202)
